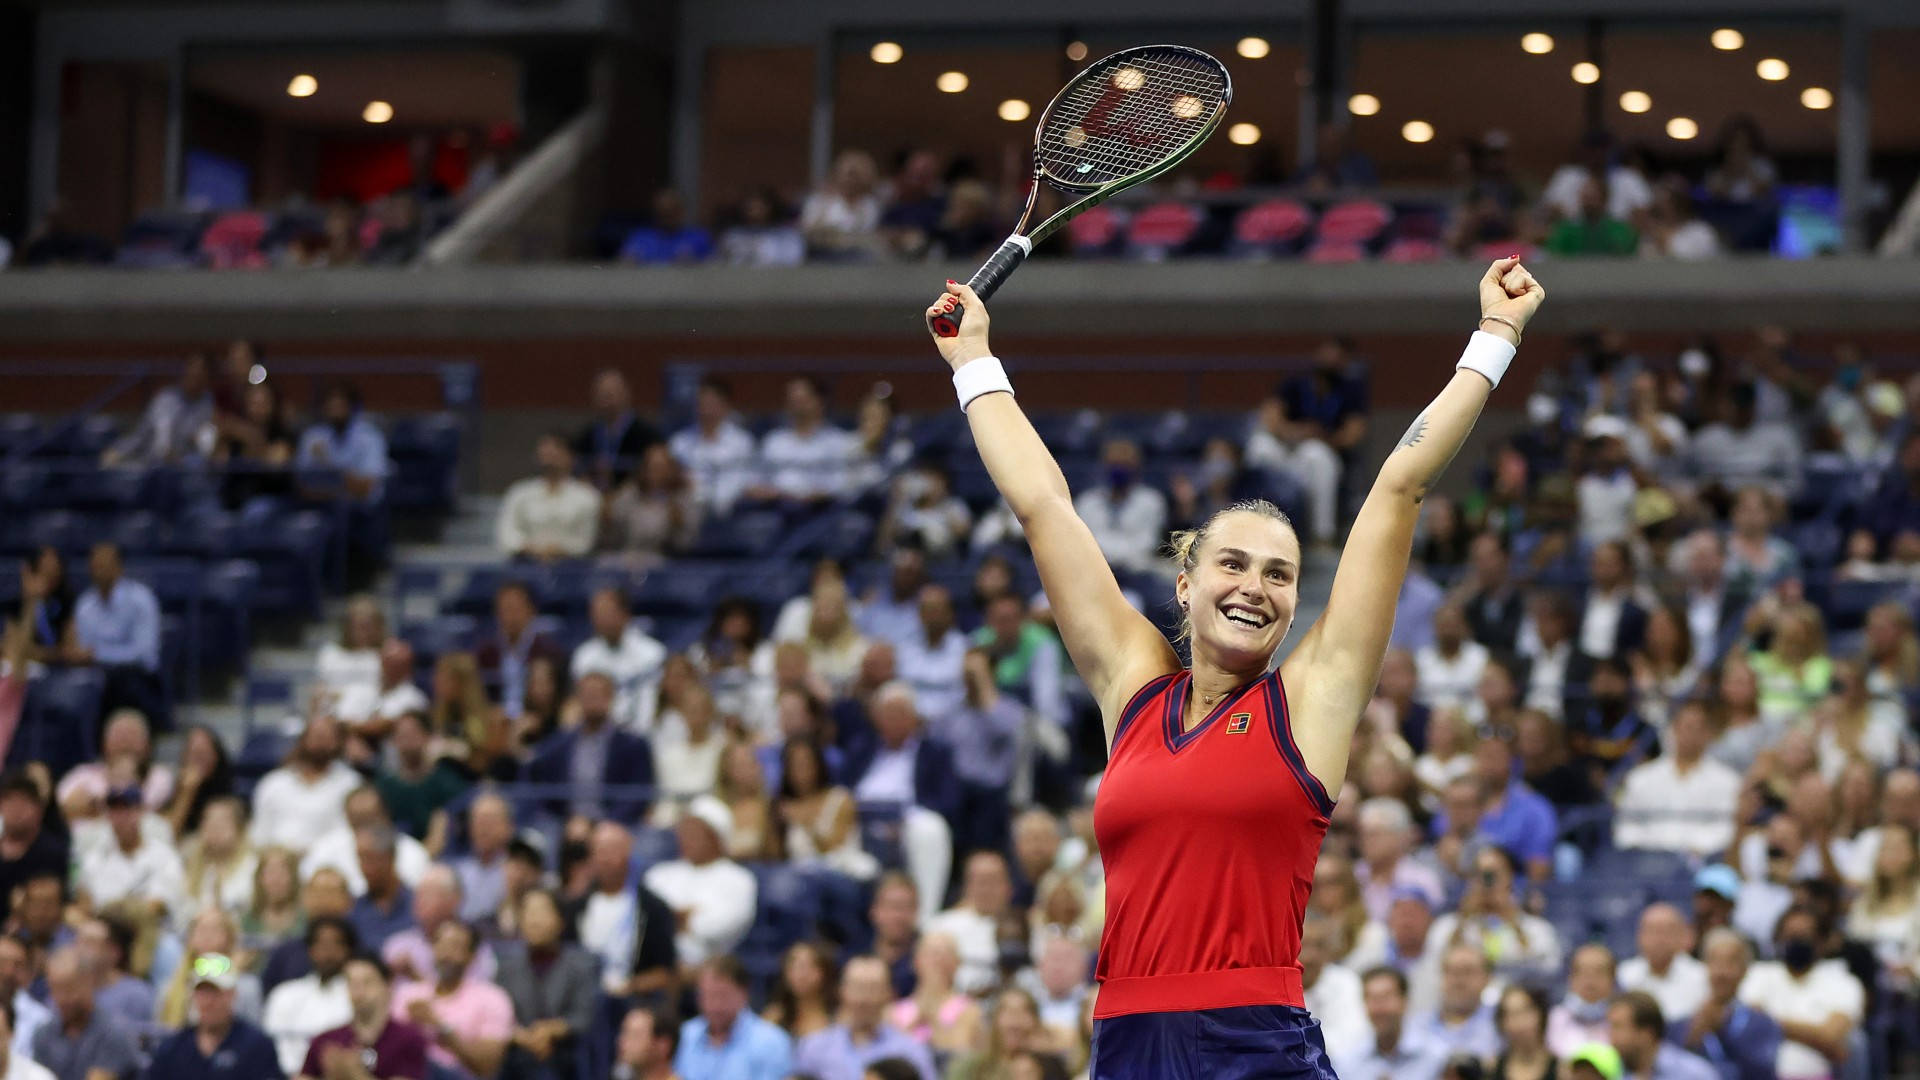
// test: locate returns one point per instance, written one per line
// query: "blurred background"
(375, 377)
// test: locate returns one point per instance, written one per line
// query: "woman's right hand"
(971, 342)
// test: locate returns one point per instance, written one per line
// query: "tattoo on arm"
(1417, 433)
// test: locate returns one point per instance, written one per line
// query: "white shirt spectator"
(829, 209)
(685, 769)
(1606, 506)
(1547, 680)
(1600, 622)
(609, 929)
(298, 1010)
(21, 1066)
(1129, 530)
(1827, 988)
(1666, 809)
(1335, 999)
(634, 665)
(1627, 191)
(343, 671)
(28, 1016)
(934, 671)
(360, 704)
(722, 895)
(1753, 861)
(719, 464)
(290, 812)
(151, 871)
(536, 515)
(977, 939)
(1765, 454)
(337, 851)
(1693, 239)
(1444, 683)
(1680, 992)
(803, 466)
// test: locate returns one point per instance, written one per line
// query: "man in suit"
(1713, 607)
(506, 654)
(1613, 623)
(591, 757)
(608, 450)
(915, 771)
(1494, 606)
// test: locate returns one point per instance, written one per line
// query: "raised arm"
(1115, 649)
(1332, 673)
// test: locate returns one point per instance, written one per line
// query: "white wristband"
(981, 376)
(1488, 354)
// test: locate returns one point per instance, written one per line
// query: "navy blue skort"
(1247, 1042)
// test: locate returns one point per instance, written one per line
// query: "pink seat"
(1336, 252)
(1411, 250)
(1162, 228)
(1276, 223)
(1355, 222)
(233, 240)
(1096, 231)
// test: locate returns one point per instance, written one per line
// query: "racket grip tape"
(985, 282)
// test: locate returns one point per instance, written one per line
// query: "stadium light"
(377, 112)
(1681, 127)
(1243, 134)
(1537, 43)
(1363, 105)
(1416, 131)
(1636, 101)
(951, 82)
(1076, 51)
(1253, 48)
(1817, 97)
(1014, 110)
(1586, 73)
(1727, 39)
(303, 86)
(886, 52)
(1772, 69)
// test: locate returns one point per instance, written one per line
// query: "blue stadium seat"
(441, 635)
(749, 533)
(652, 846)
(61, 719)
(61, 529)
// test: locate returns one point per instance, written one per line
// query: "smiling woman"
(1217, 791)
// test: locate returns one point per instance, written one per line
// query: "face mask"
(1542, 409)
(1694, 363)
(1586, 1012)
(1119, 476)
(1797, 954)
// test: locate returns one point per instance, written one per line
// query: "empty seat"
(1096, 232)
(233, 240)
(1273, 227)
(1357, 221)
(1162, 229)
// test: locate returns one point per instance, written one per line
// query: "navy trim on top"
(1178, 740)
(1280, 722)
(1137, 704)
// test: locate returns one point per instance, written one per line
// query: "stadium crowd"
(1636, 795)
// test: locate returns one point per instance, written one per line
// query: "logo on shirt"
(1238, 723)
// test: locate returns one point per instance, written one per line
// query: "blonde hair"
(1906, 661)
(1184, 546)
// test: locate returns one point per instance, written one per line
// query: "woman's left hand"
(1509, 291)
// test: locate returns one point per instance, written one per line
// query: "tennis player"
(1216, 795)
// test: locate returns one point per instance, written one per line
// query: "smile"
(1241, 615)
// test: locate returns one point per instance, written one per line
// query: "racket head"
(1129, 117)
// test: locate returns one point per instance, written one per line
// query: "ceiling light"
(1727, 39)
(1253, 48)
(1416, 131)
(377, 112)
(303, 86)
(951, 82)
(1772, 69)
(1076, 51)
(886, 52)
(1636, 101)
(1586, 73)
(1817, 97)
(1538, 44)
(1243, 134)
(1681, 127)
(1014, 110)
(1363, 105)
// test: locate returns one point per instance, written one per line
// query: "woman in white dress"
(822, 824)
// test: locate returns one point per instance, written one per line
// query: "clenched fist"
(1509, 291)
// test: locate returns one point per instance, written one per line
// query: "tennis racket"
(1123, 121)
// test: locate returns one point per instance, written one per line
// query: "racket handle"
(985, 282)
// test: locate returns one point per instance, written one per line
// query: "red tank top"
(1209, 839)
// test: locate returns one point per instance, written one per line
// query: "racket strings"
(1129, 115)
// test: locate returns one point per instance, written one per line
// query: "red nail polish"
(950, 281)
(1514, 256)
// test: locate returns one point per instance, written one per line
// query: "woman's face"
(200, 753)
(1520, 1022)
(800, 766)
(208, 934)
(1063, 906)
(1790, 634)
(992, 579)
(1243, 589)
(277, 879)
(446, 681)
(677, 676)
(1883, 631)
(540, 921)
(794, 716)
(220, 827)
(801, 969)
(935, 960)
(1663, 634)
(1896, 858)
(1440, 517)
(1738, 686)
(364, 629)
(736, 627)
(657, 468)
(743, 769)
(543, 685)
(1015, 1022)
(1751, 517)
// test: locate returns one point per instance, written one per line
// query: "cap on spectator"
(1605, 1059)
(528, 844)
(20, 782)
(125, 795)
(1412, 892)
(1604, 426)
(1719, 879)
(215, 970)
(716, 815)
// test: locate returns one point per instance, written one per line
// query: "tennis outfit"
(1209, 838)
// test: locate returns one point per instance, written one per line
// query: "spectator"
(968, 228)
(1517, 946)
(1743, 172)
(712, 896)
(628, 930)
(305, 798)
(127, 746)
(1739, 450)
(551, 516)
(1794, 670)
(366, 809)
(1462, 1023)
(588, 759)
(727, 1041)
(15, 1063)
(1899, 805)
(46, 607)
(1681, 801)
(116, 624)
(1387, 864)
(143, 870)
(890, 611)
(107, 943)
(1737, 1040)
(1665, 968)
(1015, 1031)
(1290, 437)
(894, 915)
(1449, 670)
(915, 205)
(460, 717)
(1666, 669)
(906, 768)
(840, 219)
(609, 448)
(1555, 664)
(646, 1047)
(805, 991)
(1887, 913)
(1493, 604)
(436, 902)
(1396, 1051)
(717, 452)
(742, 787)
(483, 869)
(1126, 516)
(1330, 991)
(1628, 192)
(324, 896)
(932, 658)
(1613, 623)
(1062, 988)
(879, 448)
(1514, 817)
(808, 460)
(974, 923)
(418, 787)
(654, 514)
(689, 754)
(1673, 228)
(763, 235)
(1581, 1016)
(1891, 656)
(25, 1013)
(373, 1042)
(219, 1043)
(255, 446)
(1522, 1016)
(822, 825)
(1027, 658)
(371, 709)
(386, 908)
(83, 1042)
(1638, 1031)
(351, 665)
(937, 1013)
(1591, 230)
(1713, 603)
(177, 423)
(1398, 942)
(299, 1010)
(733, 657)
(470, 1019)
(1893, 511)
(861, 1036)
(668, 238)
(210, 933)
(513, 646)
(924, 510)
(624, 653)
(346, 440)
